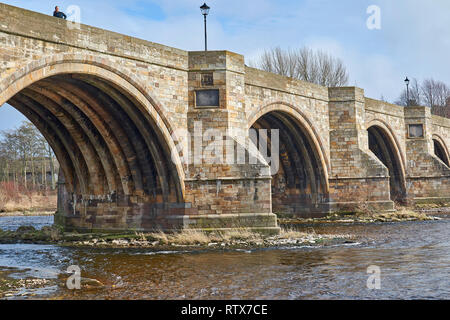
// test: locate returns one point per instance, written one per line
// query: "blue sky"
(414, 38)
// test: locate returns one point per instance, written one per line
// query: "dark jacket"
(59, 14)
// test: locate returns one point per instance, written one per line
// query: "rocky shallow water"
(413, 257)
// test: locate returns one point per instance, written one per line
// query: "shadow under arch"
(440, 150)
(385, 147)
(112, 142)
(300, 186)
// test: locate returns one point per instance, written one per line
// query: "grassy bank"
(27, 213)
(186, 238)
(229, 238)
(16, 201)
(434, 209)
(402, 214)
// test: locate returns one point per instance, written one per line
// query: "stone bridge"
(115, 108)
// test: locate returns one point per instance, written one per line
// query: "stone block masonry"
(116, 109)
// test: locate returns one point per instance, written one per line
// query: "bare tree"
(48, 155)
(279, 61)
(431, 93)
(415, 95)
(442, 111)
(24, 151)
(304, 64)
(435, 93)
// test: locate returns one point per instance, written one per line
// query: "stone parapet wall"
(57, 33)
(28, 38)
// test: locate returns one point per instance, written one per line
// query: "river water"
(413, 257)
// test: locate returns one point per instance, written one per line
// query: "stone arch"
(305, 123)
(107, 130)
(392, 136)
(300, 187)
(441, 150)
(385, 146)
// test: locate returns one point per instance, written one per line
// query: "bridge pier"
(225, 188)
(428, 176)
(216, 204)
(358, 178)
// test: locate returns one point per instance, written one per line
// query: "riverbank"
(159, 241)
(434, 209)
(29, 213)
(14, 202)
(402, 214)
(24, 287)
(236, 238)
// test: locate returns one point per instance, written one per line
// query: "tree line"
(27, 159)
(319, 67)
(431, 93)
(304, 64)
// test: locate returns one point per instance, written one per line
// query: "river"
(413, 257)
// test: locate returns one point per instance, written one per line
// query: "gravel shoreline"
(238, 238)
(186, 239)
(48, 212)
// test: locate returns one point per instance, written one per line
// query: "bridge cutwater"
(114, 109)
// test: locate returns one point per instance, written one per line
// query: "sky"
(413, 38)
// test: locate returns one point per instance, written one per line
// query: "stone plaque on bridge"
(415, 131)
(207, 98)
(207, 79)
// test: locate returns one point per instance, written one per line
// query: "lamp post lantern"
(205, 11)
(407, 91)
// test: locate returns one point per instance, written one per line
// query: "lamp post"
(205, 10)
(407, 91)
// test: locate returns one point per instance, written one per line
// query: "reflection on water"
(414, 258)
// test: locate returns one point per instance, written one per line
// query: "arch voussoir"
(306, 192)
(110, 135)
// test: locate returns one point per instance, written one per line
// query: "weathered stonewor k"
(111, 107)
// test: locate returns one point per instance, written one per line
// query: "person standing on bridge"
(59, 14)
